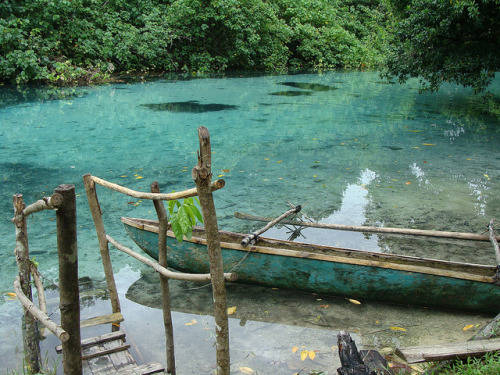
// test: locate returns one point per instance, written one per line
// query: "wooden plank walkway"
(108, 354)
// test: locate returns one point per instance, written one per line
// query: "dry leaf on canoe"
(191, 322)
(231, 310)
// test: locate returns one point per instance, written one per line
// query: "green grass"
(487, 365)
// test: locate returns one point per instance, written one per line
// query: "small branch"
(39, 314)
(216, 185)
(494, 241)
(39, 288)
(165, 272)
(47, 203)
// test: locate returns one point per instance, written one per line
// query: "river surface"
(358, 150)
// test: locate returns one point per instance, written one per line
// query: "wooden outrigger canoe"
(330, 270)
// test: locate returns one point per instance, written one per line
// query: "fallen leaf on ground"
(356, 302)
(294, 349)
(398, 329)
(246, 370)
(467, 327)
(303, 355)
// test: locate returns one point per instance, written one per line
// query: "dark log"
(165, 291)
(351, 361)
(68, 279)
(202, 176)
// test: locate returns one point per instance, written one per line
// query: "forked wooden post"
(95, 210)
(69, 295)
(202, 176)
(30, 331)
(165, 291)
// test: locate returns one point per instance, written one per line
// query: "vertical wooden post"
(165, 291)
(68, 279)
(95, 210)
(30, 329)
(202, 176)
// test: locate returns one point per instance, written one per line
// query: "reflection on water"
(357, 151)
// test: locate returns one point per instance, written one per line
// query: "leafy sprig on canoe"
(183, 216)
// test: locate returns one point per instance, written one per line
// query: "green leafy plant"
(487, 365)
(183, 216)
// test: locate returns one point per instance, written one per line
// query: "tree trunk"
(202, 176)
(68, 279)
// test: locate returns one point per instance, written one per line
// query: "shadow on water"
(191, 106)
(292, 93)
(309, 86)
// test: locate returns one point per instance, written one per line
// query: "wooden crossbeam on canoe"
(108, 354)
(431, 353)
(358, 228)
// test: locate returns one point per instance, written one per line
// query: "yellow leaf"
(398, 329)
(468, 327)
(408, 183)
(246, 370)
(429, 144)
(225, 170)
(231, 310)
(221, 175)
(303, 355)
(138, 177)
(123, 175)
(11, 294)
(295, 348)
(312, 355)
(191, 322)
(356, 302)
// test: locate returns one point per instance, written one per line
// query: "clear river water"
(358, 150)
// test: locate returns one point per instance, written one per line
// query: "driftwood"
(443, 352)
(69, 300)
(357, 228)
(489, 331)
(165, 291)
(252, 237)
(202, 176)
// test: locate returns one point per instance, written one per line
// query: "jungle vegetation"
(66, 42)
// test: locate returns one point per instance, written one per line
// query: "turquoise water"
(356, 149)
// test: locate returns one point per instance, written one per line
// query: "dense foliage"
(446, 41)
(80, 41)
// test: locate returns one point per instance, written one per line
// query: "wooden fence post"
(165, 291)
(202, 176)
(68, 279)
(30, 329)
(95, 210)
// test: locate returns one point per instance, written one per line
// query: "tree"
(441, 41)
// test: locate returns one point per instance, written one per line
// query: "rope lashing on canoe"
(252, 238)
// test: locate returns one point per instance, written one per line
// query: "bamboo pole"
(164, 271)
(69, 294)
(38, 313)
(202, 176)
(252, 237)
(216, 185)
(357, 228)
(30, 331)
(165, 292)
(95, 210)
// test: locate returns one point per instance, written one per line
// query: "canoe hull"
(326, 275)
